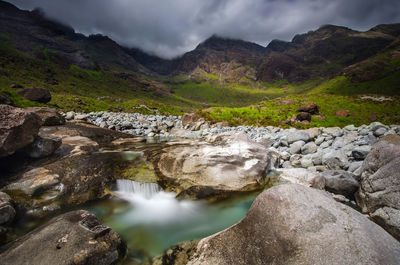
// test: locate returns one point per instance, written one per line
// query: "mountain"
(324, 52)
(37, 51)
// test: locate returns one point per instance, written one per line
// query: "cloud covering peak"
(169, 28)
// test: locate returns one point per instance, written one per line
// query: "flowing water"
(151, 220)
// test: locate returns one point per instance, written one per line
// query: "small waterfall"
(153, 205)
(147, 190)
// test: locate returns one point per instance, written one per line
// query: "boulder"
(335, 159)
(43, 146)
(342, 113)
(4, 99)
(379, 193)
(73, 238)
(309, 148)
(295, 147)
(340, 182)
(7, 211)
(293, 224)
(297, 135)
(303, 116)
(190, 119)
(311, 108)
(49, 116)
(302, 176)
(41, 95)
(225, 163)
(18, 128)
(360, 152)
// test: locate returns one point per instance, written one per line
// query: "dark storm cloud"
(171, 27)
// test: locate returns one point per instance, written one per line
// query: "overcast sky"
(169, 28)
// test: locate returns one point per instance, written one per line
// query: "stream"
(151, 220)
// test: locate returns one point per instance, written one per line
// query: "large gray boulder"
(379, 193)
(18, 128)
(225, 163)
(293, 224)
(73, 238)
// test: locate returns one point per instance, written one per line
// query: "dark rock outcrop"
(4, 99)
(311, 108)
(289, 224)
(72, 238)
(379, 193)
(18, 128)
(37, 94)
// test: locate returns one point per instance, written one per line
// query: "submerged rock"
(227, 162)
(18, 128)
(379, 193)
(72, 238)
(293, 224)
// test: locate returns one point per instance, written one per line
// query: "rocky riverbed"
(319, 172)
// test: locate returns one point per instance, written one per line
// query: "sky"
(169, 28)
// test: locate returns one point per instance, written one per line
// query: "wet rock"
(7, 211)
(302, 176)
(18, 129)
(41, 95)
(178, 255)
(72, 238)
(311, 108)
(340, 182)
(43, 146)
(288, 224)
(379, 193)
(49, 116)
(227, 162)
(5, 99)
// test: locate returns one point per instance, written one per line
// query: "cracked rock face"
(18, 128)
(293, 224)
(73, 238)
(229, 162)
(379, 193)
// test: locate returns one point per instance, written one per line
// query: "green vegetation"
(244, 101)
(275, 112)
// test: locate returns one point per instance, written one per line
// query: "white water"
(152, 205)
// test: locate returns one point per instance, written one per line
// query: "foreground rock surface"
(18, 128)
(379, 193)
(229, 162)
(293, 224)
(72, 238)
